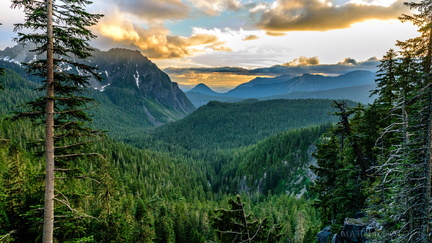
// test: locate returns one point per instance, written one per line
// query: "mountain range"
(354, 85)
(130, 81)
(138, 88)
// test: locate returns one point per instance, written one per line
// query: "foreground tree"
(60, 31)
(234, 225)
(402, 196)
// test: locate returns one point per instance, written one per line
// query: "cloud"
(303, 61)
(274, 33)
(214, 78)
(215, 7)
(302, 65)
(348, 61)
(233, 76)
(322, 15)
(219, 46)
(251, 37)
(160, 9)
(155, 41)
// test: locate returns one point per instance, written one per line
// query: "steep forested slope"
(228, 125)
(106, 115)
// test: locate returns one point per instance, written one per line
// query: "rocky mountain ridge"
(130, 80)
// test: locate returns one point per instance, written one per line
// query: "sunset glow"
(239, 33)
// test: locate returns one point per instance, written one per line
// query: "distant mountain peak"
(201, 86)
(203, 89)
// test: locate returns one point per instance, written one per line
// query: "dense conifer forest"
(161, 190)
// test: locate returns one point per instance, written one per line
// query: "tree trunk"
(48, 227)
(356, 148)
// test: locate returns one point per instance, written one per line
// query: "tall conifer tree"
(59, 28)
(404, 193)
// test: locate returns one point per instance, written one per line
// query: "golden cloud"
(215, 7)
(250, 37)
(219, 46)
(155, 41)
(228, 80)
(322, 15)
(274, 33)
(303, 61)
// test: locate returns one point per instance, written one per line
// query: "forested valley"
(251, 171)
(164, 185)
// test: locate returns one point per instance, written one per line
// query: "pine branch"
(8, 234)
(73, 145)
(76, 155)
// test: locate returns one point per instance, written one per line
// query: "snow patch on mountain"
(137, 78)
(8, 59)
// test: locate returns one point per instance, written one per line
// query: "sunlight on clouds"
(251, 37)
(303, 61)
(322, 15)
(155, 41)
(274, 33)
(227, 80)
(384, 3)
(215, 7)
(118, 33)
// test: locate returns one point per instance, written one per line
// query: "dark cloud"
(348, 61)
(317, 15)
(159, 9)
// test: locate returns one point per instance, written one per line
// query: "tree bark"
(48, 227)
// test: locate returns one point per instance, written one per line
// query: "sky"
(223, 43)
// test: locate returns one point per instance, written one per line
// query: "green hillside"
(230, 125)
(117, 119)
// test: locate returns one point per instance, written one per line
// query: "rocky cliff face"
(129, 69)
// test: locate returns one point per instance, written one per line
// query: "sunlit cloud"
(155, 41)
(215, 7)
(303, 61)
(214, 79)
(322, 15)
(274, 33)
(251, 37)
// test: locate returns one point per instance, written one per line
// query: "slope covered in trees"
(220, 125)
(382, 164)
